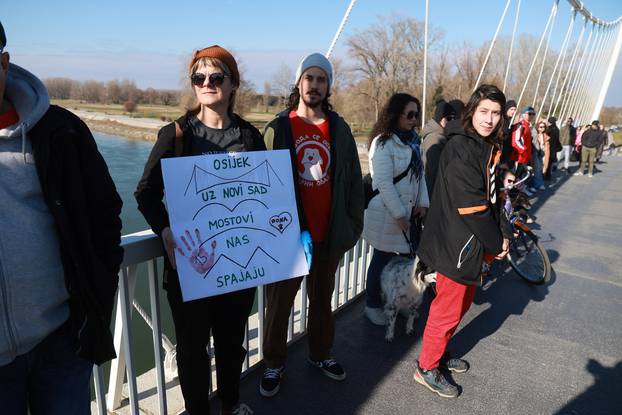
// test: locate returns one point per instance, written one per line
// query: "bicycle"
(526, 256)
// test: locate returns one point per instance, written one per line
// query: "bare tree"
(113, 91)
(267, 90)
(92, 91)
(58, 88)
(389, 57)
(282, 82)
(130, 106)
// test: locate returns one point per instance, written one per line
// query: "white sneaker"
(590, 175)
(579, 173)
(376, 316)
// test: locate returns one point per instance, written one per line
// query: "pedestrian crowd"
(434, 193)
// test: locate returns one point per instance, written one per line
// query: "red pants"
(447, 309)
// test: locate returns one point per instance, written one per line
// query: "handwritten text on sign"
(234, 219)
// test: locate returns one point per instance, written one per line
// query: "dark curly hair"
(483, 92)
(389, 117)
(294, 99)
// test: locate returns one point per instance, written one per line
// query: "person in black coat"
(464, 230)
(555, 145)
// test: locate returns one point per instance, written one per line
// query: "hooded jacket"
(74, 228)
(521, 142)
(394, 201)
(464, 219)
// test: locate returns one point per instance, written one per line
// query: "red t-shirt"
(312, 143)
(9, 118)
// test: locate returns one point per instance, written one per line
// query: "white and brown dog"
(403, 284)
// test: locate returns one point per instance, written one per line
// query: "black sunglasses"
(411, 114)
(215, 79)
(531, 113)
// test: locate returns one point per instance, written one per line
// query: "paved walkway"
(554, 349)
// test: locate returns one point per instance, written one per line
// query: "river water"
(126, 159)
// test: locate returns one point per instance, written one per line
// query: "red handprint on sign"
(200, 260)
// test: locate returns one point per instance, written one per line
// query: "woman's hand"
(419, 212)
(169, 245)
(403, 223)
(504, 250)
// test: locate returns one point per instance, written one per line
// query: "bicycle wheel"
(529, 259)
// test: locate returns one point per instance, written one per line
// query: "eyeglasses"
(215, 79)
(411, 114)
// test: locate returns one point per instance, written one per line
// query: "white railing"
(145, 247)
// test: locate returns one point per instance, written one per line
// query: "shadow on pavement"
(603, 397)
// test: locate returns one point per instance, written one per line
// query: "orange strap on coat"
(472, 209)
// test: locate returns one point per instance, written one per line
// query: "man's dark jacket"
(150, 190)
(347, 203)
(84, 202)
(591, 138)
(554, 141)
(462, 222)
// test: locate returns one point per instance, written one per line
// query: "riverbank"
(133, 128)
(147, 128)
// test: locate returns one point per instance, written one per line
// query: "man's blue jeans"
(50, 379)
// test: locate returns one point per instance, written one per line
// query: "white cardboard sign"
(234, 219)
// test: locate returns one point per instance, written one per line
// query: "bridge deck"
(533, 350)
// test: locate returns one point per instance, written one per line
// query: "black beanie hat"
(457, 107)
(510, 104)
(443, 109)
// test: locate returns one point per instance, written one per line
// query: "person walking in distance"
(329, 192)
(590, 140)
(567, 137)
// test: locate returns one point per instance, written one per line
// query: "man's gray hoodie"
(33, 297)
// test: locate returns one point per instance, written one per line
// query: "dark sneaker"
(330, 367)
(435, 381)
(455, 365)
(271, 381)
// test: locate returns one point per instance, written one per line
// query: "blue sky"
(149, 41)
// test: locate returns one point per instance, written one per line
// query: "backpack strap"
(179, 140)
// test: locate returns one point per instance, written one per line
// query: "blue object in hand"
(307, 246)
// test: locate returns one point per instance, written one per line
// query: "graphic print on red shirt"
(312, 144)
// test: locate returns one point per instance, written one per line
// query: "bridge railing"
(145, 248)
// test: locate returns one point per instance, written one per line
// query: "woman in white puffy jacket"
(393, 148)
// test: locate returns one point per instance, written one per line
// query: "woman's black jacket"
(464, 220)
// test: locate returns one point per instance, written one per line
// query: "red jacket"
(521, 142)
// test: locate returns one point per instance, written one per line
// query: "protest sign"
(234, 219)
